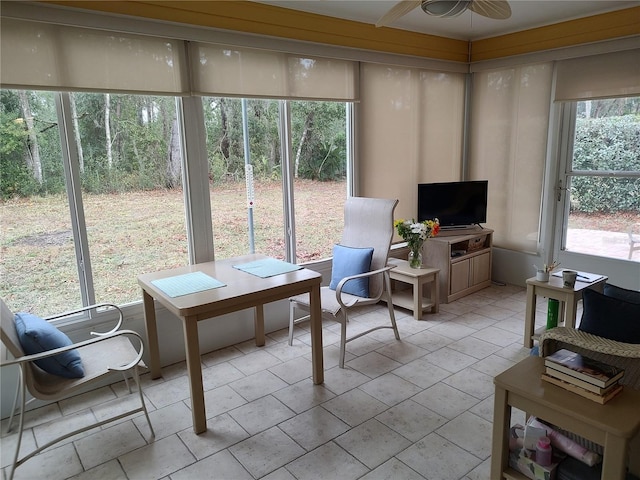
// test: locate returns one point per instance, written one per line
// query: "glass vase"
(415, 258)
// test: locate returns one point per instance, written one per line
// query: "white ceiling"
(526, 14)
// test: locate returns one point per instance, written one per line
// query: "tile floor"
(419, 408)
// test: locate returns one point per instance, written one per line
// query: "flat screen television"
(455, 204)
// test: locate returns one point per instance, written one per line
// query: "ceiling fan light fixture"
(444, 8)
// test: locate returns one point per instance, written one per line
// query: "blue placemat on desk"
(186, 284)
(267, 267)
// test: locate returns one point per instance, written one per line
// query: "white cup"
(542, 276)
(569, 278)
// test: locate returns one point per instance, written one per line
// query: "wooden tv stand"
(464, 260)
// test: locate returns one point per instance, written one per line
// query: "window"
(92, 197)
(254, 193)
(602, 177)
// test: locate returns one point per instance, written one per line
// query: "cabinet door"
(481, 268)
(459, 276)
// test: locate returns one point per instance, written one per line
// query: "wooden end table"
(418, 278)
(568, 298)
(612, 425)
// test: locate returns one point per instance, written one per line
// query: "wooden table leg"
(501, 426)
(572, 307)
(152, 334)
(258, 321)
(194, 369)
(417, 298)
(435, 292)
(316, 335)
(614, 458)
(530, 316)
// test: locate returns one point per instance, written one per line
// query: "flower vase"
(415, 257)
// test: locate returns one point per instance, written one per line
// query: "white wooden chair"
(368, 223)
(108, 353)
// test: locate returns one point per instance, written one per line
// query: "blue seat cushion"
(610, 317)
(36, 335)
(349, 261)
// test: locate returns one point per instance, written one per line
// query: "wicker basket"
(476, 244)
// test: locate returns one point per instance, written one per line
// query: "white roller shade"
(45, 56)
(599, 76)
(222, 70)
(410, 132)
(508, 147)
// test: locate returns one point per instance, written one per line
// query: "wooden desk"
(611, 425)
(568, 298)
(242, 290)
(418, 278)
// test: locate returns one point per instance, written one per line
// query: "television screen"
(455, 204)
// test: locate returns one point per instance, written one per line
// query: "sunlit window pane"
(604, 179)
(132, 190)
(37, 264)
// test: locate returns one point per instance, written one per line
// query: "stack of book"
(585, 376)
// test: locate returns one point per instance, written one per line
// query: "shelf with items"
(408, 287)
(464, 261)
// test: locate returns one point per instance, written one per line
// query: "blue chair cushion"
(621, 293)
(349, 261)
(610, 317)
(36, 335)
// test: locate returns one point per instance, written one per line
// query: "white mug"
(569, 278)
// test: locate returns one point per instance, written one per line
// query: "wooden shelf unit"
(464, 260)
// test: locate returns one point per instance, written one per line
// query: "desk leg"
(614, 458)
(258, 321)
(530, 316)
(501, 426)
(194, 369)
(152, 334)
(316, 335)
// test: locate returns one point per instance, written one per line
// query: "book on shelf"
(601, 399)
(552, 372)
(584, 368)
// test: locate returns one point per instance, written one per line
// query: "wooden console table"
(568, 298)
(611, 425)
(418, 278)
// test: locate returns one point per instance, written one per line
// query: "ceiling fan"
(496, 9)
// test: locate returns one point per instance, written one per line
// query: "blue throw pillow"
(610, 317)
(37, 335)
(621, 293)
(349, 261)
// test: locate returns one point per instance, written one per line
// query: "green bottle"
(552, 313)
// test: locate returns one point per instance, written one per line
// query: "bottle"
(543, 451)
(552, 313)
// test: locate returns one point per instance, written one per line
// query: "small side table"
(568, 298)
(612, 425)
(418, 278)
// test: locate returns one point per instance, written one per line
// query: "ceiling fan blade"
(398, 10)
(496, 9)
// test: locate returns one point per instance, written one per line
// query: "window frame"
(568, 114)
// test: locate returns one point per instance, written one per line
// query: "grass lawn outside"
(138, 232)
